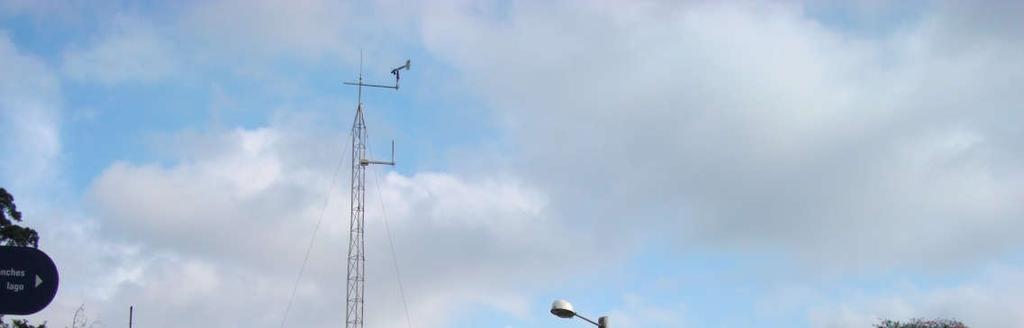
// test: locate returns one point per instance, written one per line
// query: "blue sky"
(696, 164)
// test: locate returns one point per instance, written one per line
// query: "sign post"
(28, 280)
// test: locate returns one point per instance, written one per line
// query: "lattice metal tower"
(356, 283)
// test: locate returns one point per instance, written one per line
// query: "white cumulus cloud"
(236, 212)
(754, 126)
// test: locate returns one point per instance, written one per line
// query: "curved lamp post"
(563, 309)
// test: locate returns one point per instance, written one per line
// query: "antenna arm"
(366, 162)
(374, 85)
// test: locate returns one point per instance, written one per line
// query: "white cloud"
(132, 50)
(752, 126)
(236, 210)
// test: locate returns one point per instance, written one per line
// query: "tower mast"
(356, 283)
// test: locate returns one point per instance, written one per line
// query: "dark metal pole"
(588, 320)
(131, 314)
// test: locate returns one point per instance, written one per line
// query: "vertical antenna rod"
(355, 285)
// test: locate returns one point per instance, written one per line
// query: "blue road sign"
(28, 280)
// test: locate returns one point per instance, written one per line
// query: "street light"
(563, 309)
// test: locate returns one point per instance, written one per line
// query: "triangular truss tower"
(356, 283)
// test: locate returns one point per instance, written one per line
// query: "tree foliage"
(12, 234)
(21, 324)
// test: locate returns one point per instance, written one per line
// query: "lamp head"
(562, 309)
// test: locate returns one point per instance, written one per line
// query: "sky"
(664, 163)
